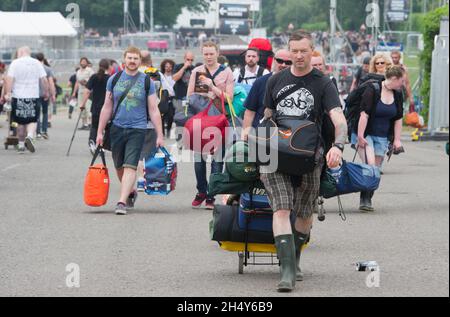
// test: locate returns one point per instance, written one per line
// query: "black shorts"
(126, 146)
(149, 144)
(25, 111)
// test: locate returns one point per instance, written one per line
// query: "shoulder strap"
(147, 88)
(124, 95)
(241, 75)
(212, 77)
(116, 79)
(260, 72)
(114, 83)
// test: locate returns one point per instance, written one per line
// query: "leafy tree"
(431, 28)
(109, 13)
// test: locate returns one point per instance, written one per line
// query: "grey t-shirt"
(50, 74)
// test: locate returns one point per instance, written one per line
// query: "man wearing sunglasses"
(255, 100)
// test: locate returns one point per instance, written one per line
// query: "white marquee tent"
(39, 30)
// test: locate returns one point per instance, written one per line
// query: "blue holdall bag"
(255, 213)
(160, 173)
(357, 178)
(350, 178)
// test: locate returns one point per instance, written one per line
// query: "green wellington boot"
(286, 253)
(300, 241)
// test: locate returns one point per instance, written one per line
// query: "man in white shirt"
(83, 74)
(22, 88)
(252, 71)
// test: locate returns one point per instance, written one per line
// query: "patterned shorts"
(301, 198)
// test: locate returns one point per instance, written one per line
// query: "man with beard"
(255, 100)
(83, 74)
(129, 105)
(252, 71)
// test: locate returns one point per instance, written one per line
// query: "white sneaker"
(29, 144)
(121, 209)
(92, 147)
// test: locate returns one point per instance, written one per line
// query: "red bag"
(96, 186)
(265, 49)
(196, 136)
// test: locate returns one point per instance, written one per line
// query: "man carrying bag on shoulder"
(304, 93)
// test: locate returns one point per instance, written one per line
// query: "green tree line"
(109, 13)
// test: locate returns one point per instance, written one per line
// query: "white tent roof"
(35, 24)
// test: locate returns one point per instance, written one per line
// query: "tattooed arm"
(334, 156)
(340, 123)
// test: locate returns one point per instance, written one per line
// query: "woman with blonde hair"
(379, 64)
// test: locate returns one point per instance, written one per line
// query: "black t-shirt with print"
(181, 86)
(315, 96)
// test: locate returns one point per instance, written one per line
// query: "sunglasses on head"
(282, 61)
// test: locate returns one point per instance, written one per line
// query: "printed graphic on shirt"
(300, 103)
(134, 96)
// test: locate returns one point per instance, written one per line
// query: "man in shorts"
(129, 100)
(22, 89)
(304, 92)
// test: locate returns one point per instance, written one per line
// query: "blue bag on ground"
(160, 173)
(353, 178)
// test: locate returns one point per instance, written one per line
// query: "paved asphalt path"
(163, 248)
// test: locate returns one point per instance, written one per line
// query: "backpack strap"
(212, 77)
(241, 75)
(260, 72)
(147, 89)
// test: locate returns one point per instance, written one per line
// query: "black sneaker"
(209, 204)
(132, 199)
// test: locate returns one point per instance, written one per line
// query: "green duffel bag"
(238, 165)
(328, 186)
(225, 184)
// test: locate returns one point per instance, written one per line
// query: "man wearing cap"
(362, 72)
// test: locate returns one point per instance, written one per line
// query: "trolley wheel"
(241, 263)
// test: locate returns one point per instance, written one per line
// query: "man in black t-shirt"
(304, 92)
(72, 82)
(182, 75)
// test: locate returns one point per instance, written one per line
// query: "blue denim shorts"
(379, 144)
(126, 146)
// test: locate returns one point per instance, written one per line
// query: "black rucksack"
(242, 75)
(353, 104)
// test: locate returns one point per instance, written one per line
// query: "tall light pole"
(333, 6)
(24, 5)
(152, 21)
